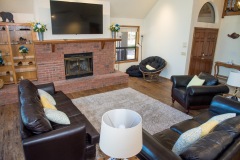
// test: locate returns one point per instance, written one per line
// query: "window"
(207, 13)
(126, 49)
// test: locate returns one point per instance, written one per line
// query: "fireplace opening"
(78, 65)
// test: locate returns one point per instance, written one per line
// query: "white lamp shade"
(234, 79)
(121, 133)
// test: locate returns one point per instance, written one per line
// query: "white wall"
(42, 14)
(131, 22)
(166, 34)
(23, 17)
(228, 49)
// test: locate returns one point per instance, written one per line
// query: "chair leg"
(173, 100)
(187, 112)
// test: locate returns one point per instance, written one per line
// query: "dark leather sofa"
(196, 97)
(159, 146)
(45, 140)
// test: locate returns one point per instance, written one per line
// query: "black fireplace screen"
(78, 65)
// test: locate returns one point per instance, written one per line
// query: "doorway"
(203, 49)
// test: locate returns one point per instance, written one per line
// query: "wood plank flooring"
(10, 141)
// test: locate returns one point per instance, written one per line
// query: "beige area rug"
(156, 115)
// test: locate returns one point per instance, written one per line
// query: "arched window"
(207, 13)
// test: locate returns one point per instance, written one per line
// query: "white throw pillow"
(196, 81)
(47, 95)
(56, 116)
(186, 139)
(222, 117)
(150, 67)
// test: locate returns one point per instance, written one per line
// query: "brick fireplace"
(50, 66)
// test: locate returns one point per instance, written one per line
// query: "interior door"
(203, 49)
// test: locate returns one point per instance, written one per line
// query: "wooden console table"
(222, 64)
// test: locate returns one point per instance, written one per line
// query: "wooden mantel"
(61, 41)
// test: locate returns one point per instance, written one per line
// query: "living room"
(166, 30)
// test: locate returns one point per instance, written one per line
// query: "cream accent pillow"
(47, 95)
(150, 67)
(186, 139)
(223, 117)
(46, 103)
(56, 116)
(208, 126)
(196, 81)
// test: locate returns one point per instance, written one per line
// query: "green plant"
(23, 49)
(38, 27)
(115, 27)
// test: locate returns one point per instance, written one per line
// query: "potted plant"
(23, 50)
(39, 28)
(114, 28)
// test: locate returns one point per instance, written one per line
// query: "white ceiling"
(130, 8)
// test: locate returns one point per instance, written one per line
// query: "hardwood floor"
(10, 141)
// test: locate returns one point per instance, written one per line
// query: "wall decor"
(6, 16)
(233, 35)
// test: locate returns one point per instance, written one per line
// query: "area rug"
(156, 115)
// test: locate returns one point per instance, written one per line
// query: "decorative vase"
(24, 55)
(113, 34)
(40, 36)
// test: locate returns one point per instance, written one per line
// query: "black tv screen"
(76, 18)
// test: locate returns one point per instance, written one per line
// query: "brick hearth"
(50, 66)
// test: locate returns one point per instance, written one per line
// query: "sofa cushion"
(231, 125)
(34, 118)
(56, 116)
(92, 134)
(204, 117)
(26, 84)
(184, 126)
(209, 79)
(60, 98)
(208, 147)
(186, 139)
(28, 91)
(167, 138)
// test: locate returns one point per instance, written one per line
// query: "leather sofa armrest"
(211, 90)
(223, 105)
(49, 87)
(153, 150)
(92, 134)
(181, 80)
(64, 143)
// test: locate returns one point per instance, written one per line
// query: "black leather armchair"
(196, 97)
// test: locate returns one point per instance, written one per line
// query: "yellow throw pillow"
(46, 103)
(207, 127)
(196, 81)
(47, 95)
(150, 67)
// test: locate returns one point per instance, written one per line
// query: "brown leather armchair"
(196, 97)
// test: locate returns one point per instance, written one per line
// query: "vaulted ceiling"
(130, 8)
(119, 8)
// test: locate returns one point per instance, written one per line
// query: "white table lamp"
(234, 80)
(121, 133)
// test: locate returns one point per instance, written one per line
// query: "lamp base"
(234, 98)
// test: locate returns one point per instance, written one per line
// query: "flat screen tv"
(76, 18)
